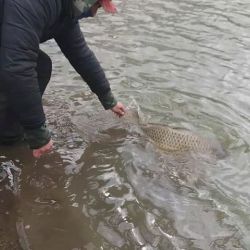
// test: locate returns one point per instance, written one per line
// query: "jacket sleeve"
(73, 45)
(19, 51)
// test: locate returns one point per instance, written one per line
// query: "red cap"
(108, 6)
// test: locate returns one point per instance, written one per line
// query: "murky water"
(186, 64)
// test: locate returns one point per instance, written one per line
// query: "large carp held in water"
(175, 139)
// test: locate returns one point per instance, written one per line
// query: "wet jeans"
(10, 128)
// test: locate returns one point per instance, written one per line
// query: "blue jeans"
(10, 129)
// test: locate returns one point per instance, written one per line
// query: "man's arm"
(19, 51)
(75, 48)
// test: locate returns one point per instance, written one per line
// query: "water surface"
(186, 64)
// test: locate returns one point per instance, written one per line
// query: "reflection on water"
(186, 64)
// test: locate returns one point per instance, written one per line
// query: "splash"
(9, 175)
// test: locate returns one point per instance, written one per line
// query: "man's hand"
(95, 7)
(37, 153)
(119, 109)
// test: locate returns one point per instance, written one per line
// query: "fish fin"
(181, 129)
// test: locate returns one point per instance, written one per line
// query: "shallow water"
(186, 64)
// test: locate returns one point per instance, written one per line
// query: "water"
(186, 63)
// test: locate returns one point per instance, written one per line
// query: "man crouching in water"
(25, 70)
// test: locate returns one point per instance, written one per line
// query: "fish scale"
(174, 139)
(171, 139)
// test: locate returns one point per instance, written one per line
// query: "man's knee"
(44, 69)
(10, 128)
(3, 109)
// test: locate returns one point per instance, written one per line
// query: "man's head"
(85, 6)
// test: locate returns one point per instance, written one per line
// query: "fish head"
(131, 116)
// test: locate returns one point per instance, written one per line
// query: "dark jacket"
(27, 23)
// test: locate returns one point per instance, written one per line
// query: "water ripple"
(186, 64)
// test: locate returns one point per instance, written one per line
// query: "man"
(25, 70)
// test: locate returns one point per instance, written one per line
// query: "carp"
(175, 139)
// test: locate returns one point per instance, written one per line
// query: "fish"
(175, 139)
